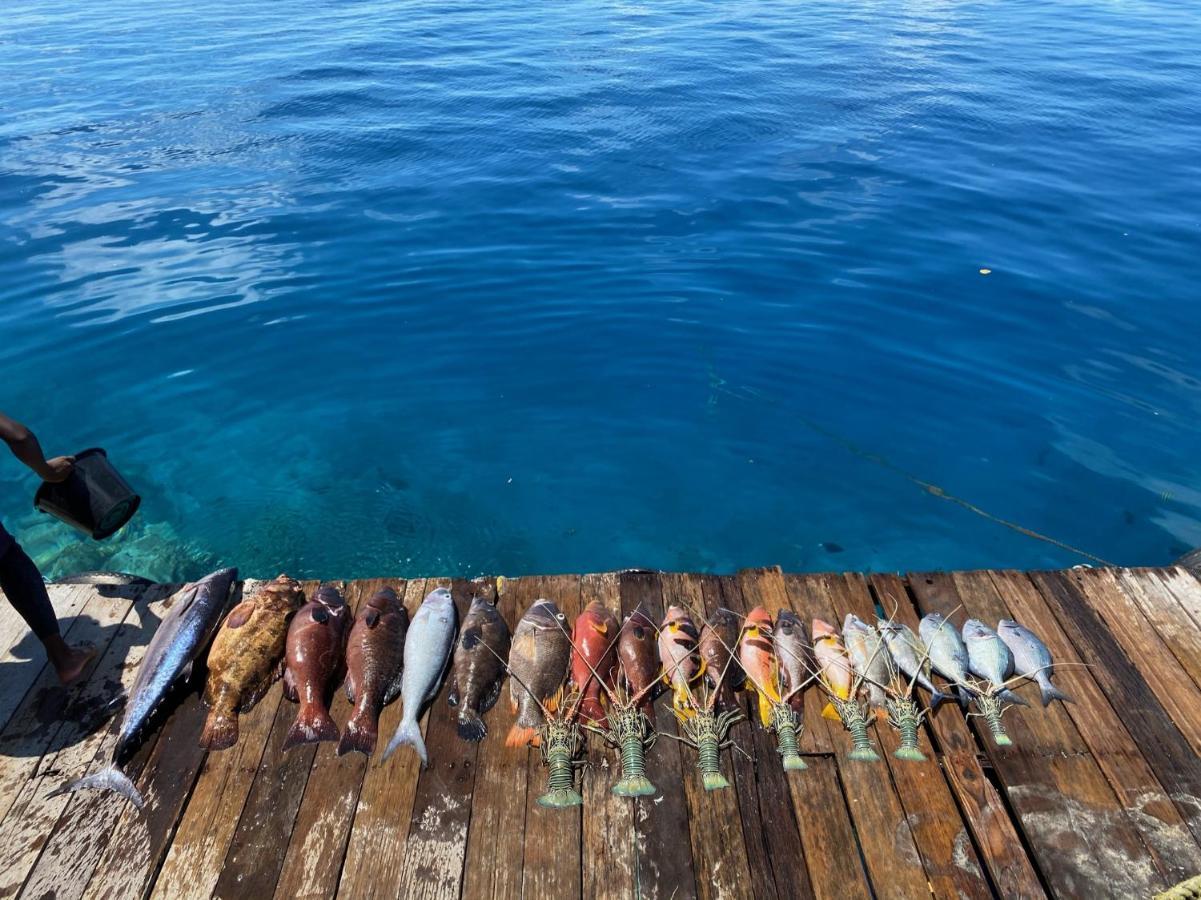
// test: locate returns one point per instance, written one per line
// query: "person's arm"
(25, 447)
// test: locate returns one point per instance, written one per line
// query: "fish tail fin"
(679, 702)
(764, 710)
(829, 712)
(471, 726)
(1051, 692)
(937, 698)
(1010, 697)
(220, 730)
(965, 696)
(311, 726)
(522, 736)
(409, 733)
(361, 734)
(107, 779)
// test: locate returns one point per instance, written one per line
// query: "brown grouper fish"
(478, 667)
(719, 647)
(316, 639)
(192, 616)
(246, 658)
(374, 659)
(538, 662)
(594, 654)
(638, 655)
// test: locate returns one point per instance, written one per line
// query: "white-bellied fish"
(192, 616)
(426, 658)
(870, 659)
(1031, 658)
(911, 656)
(989, 658)
(948, 655)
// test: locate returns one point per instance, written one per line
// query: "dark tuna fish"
(479, 667)
(374, 659)
(316, 639)
(193, 616)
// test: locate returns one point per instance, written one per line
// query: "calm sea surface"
(352, 289)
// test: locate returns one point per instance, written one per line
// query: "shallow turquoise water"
(351, 289)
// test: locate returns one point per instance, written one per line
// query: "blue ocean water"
(361, 288)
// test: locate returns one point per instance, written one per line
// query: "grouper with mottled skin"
(247, 658)
(314, 655)
(426, 658)
(374, 660)
(192, 616)
(478, 667)
(538, 660)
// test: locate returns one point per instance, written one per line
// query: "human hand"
(58, 469)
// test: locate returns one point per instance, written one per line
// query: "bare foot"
(70, 665)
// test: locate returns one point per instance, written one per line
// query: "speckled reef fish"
(795, 657)
(478, 667)
(247, 657)
(832, 664)
(989, 658)
(538, 661)
(757, 655)
(678, 642)
(638, 655)
(1031, 658)
(869, 658)
(594, 652)
(948, 655)
(427, 655)
(316, 639)
(192, 617)
(910, 656)
(718, 648)
(374, 659)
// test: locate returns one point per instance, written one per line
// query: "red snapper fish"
(594, 653)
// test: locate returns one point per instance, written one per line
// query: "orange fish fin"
(519, 736)
(764, 710)
(552, 703)
(513, 705)
(829, 712)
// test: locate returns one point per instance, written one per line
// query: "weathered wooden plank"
(995, 835)
(1148, 805)
(496, 833)
(772, 797)
(1050, 779)
(23, 661)
(608, 860)
(551, 866)
(885, 835)
(374, 853)
(202, 838)
(318, 843)
(260, 842)
(1165, 748)
(664, 860)
(1184, 586)
(939, 834)
(437, 842)
(1169, 618)
(719, 854)
(1144, 647)
(73, 841)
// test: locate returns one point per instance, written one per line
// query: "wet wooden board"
(1100, 797)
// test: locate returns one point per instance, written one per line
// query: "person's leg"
(22, 584)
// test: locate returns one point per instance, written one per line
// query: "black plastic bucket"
(94, 498)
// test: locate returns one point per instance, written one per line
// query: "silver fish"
(869, 658)
(911, 656)
(989, 658)
(1031, 658)
(193, 615)
(427, 656)
(948, 655)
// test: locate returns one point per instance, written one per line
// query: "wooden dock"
(1101, 798)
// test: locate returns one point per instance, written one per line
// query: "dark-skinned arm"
(25, 447)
